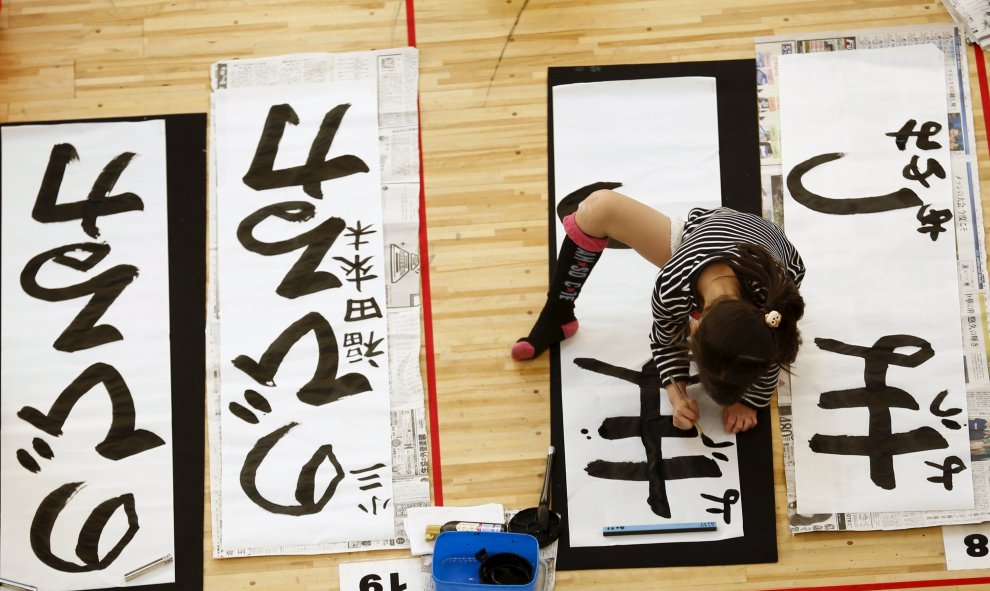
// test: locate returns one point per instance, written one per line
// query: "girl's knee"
(595, 210)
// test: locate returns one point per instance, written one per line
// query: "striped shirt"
(709, 235)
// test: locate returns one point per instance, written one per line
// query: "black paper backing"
(740, 185)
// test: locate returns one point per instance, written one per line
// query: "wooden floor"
(484, 131)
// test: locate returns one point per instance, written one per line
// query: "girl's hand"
(737, 418)
(686, 412)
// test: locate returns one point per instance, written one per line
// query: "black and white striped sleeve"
(759, 394)
(668, 339)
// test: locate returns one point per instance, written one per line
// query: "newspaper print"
(968, 219)
(396, 72)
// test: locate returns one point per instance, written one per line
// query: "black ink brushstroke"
(953, 465)
(29, 463)
(305, 484)
(262, 175)
(651, 427)
(244, 414)
(122, 439)
(87, 548)
(899, 199)
(302, 278)
(98, 202)
(82, 332)
(727, 500)
(42, 448)
(881, 444)
(923, 136)
(324, 387)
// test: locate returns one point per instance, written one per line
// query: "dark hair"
(734, 347)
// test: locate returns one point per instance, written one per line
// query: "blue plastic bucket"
(456, 568)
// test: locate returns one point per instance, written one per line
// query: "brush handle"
(545, 495)
(543, 510)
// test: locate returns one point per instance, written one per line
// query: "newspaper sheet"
(970, 252)
(974, 17)
(397, 72)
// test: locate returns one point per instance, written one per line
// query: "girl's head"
(736, 342)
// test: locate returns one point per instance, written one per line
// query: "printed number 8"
(976, 545)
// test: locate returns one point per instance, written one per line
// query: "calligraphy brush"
(543, 511)
(684, 399)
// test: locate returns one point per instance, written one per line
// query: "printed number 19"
(976, 545)
(370, 582)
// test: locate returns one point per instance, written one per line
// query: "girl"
(728, 278)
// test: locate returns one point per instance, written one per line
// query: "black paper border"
(741, 190)
(185, 153)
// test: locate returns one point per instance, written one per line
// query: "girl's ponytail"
(740, 340)
(776, 292)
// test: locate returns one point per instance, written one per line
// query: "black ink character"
(324, 387)
(357, 270)
(98, 202)
(936, 409)
(305, 495)
(82, 332)
(122, 439)
(257, 402)
(374, 505)
(362, 310)
(88, 545)
(302, 278)
(913, 173)
(368, 477)
(358, 232)
(923, 135)
(932, 221)
(651, 427)
(881, 445)
(726, 501)
(952, 465)
(899, 199)
(262, 175)
(355, 341)
(41, 448)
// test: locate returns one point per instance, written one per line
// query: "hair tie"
(772, 318)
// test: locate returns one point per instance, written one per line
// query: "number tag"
(405, 574)
(967, 546)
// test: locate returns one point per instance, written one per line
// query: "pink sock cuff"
(589, 243)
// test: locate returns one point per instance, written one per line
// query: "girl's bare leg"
(602, 215)
(613, 215)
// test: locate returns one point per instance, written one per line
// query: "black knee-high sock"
(557, 321)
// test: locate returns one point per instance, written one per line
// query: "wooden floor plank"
(483, 102)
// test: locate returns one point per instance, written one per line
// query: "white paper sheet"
(34, 374)
(873, 275)
(349, 495)
(659, 138)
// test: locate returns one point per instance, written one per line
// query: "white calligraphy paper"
(659, 138)
(304, 427)
(86, 407)
(879, 399)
